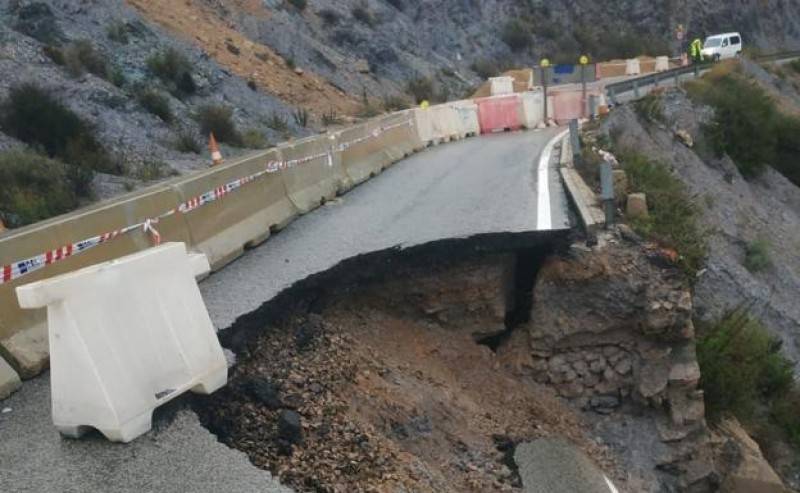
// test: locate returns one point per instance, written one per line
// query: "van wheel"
(717, 57)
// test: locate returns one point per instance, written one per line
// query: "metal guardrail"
(657, 77)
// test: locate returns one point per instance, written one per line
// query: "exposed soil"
(393, 395)
(205, 24)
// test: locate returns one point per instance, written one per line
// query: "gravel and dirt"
(385, 388)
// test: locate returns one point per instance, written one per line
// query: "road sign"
(584, 60)
(545, 62)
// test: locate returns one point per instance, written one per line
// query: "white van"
(721, 46)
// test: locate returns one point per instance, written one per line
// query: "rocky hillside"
(139, 83)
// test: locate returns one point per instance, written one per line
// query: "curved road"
(491, 184)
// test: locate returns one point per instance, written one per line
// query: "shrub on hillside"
(329, 17)
(174, 70)
(254, 139)
(299, 4)
(741, 366)
(187, 141)
(34, 116)
(748, 125)
(362, 14)
(757, 256)
(156, 103)
(117, 32)
(421, 89)
(651, 107)
(517, 35)
(81, 56)
(34, 188)
(674, 218)
(744, 120)
(218, 120)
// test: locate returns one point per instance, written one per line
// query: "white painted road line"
(544, 218)
(610, 485)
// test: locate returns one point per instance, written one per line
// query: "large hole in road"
(376, 376)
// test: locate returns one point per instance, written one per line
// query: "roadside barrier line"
(544, 218)
(18, 269)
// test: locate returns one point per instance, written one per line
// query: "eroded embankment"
(420, 370)
(378, 376)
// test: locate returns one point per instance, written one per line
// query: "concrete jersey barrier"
(23, 334)
(319, 178)
(223, 229)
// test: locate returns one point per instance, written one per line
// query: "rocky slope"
(736, 212)
(266, 59)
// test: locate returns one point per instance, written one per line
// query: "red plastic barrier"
(567, 105)
(499, 113)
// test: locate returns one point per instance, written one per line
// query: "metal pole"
(583, 88)
(636, 88)
(544, 88)
(607, 191)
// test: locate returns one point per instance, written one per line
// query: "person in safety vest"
(696, 50)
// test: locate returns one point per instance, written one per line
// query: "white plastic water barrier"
(662, 63)
(125, 337)
(633, 67)
(467, 112)
(533, 108)
(501, 85)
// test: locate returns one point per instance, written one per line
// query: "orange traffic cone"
(216, 155)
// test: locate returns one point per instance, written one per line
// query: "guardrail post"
(612, 96)
(677, 78)
(655, 79)
(575, 141)
(607, 191)
(636, 93)
(593, 106)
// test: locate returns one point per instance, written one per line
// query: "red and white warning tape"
(15, 270)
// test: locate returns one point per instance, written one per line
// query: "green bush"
(301, 117)
(748, 125)
(152, 170)
(331, 118)
(218, 120)
(395, 103)
(277, 122)
(299, 4)
(254, 139)
(674, 218)
(329, 17)
(34, 188)
(744, 119)
(362, 14)
(156, 103)
(787, 147)
(81, 56)
(651, 107)
(34, 116)
(741, 366)
(187, 141)
(794, 66)
(55, 54)
(174, 70)
(421, 89)
(517, 35)
(485, 68)
(117, 32)
(784, 412)
(757, 256)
